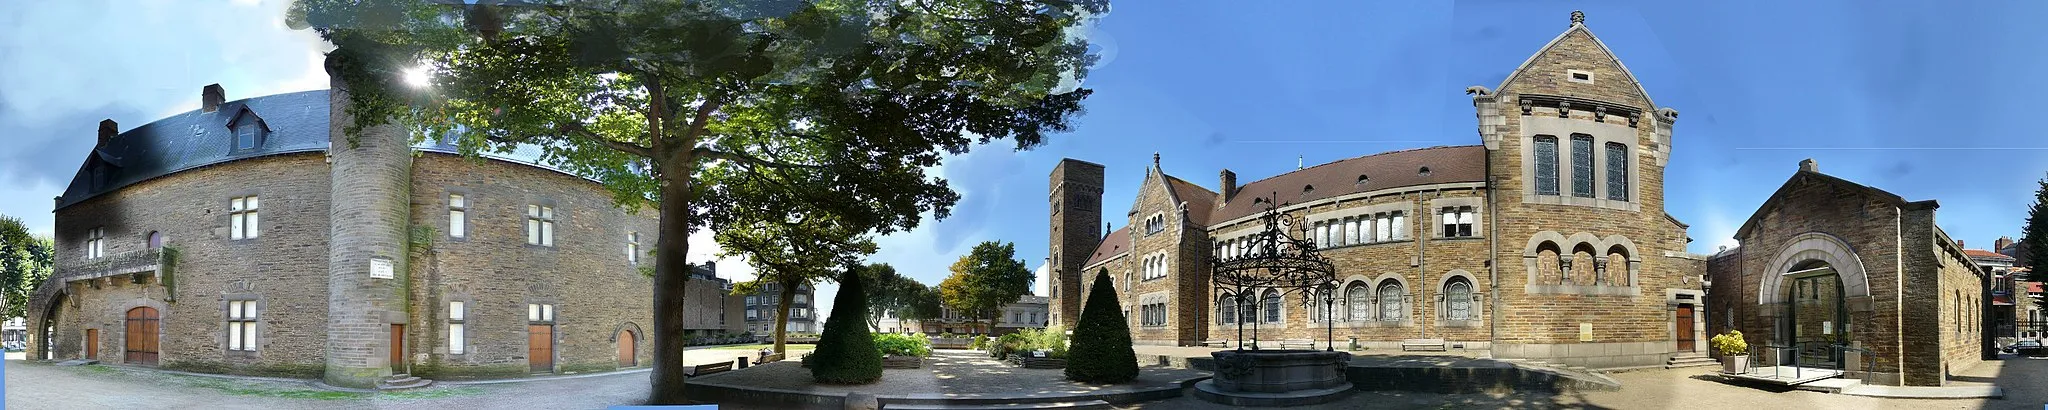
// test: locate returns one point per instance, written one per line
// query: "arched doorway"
(628, 351)
(1816, 314)
(140, 337)
(48, 330)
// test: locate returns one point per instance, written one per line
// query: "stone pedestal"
(1276, 378)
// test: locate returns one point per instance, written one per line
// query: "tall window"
(1457, 221)
(540, 225)
(633, 247)
(1155, 223)
(1582, 165)
(156, 240)
(1360, 301)
(457, 315)
(242, 325)
(1391, 308)
(1350, 230)
(458, 223)
(96, 243)
(1617, 171)
(1247, 310)
(1272, 306)
(1546, 165)
(242, 221)
(1458, 299)
(540, 312)
(1400, 225)
(1383, 229)
(1225, 313)
(1153, 314)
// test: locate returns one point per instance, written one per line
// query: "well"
(1276, 378)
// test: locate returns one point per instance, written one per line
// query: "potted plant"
(1734, 351)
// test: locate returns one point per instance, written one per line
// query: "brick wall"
(1076, 212)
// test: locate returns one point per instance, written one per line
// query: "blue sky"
(1928, 100)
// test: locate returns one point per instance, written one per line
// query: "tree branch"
(630, 148)
(735, 156)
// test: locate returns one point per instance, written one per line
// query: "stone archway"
(1825, 248)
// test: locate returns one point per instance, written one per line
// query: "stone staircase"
(1689, 360)
(402, 381)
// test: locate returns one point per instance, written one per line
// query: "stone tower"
(366, 267)
(1076, 201)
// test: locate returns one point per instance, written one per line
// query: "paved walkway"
(947, 373)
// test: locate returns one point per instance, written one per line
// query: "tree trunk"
(788, 296)
(671, 274)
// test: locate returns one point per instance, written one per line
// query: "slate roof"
(1201, 201)
(193, 139)
(1118, 242)
(1447, 164)
(1980, 253)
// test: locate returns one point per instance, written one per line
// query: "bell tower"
(1076, 205)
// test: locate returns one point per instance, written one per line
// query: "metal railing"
(1793, 357)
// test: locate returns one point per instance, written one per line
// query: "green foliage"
(985, 280)
(892, 292)
(980, 342)
(2034, 236)
(1102, 341)
(895, 344)
(25, 262)
(846, 353)
(167, 264)
(1730, 344)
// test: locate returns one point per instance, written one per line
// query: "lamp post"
(1329, 316)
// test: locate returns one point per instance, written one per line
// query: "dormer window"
(249, 130)
(1422, 172)
(1362, 180)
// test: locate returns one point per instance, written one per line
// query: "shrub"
(1102, 341)
(1007, 344)
(1730, 344)
(980, 342)
(846, 354)
(903, 345)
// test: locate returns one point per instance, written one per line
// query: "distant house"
(1028, 312)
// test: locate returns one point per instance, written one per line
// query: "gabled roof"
(1201, 201)
(1980, 253)
(1817, 177)
(1117, 243)
(298, 123)
(1464, 163)
(1577, 27)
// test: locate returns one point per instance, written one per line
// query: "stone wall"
(1076, 212)
(282, 269)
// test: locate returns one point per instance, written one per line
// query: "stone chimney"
(2003, 241)
(211, 97)
(108, 129)
(1808, 165)
(1229, 186)
(1959, 244)
(1105, 231)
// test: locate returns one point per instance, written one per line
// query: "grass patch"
(791, 347)
(260, 390)
(436, 393)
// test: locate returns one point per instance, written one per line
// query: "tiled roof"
(1114, 244)
(1201, 201)
(1466, 163)
(297, 123)
(1980, 253)
(2033, 287)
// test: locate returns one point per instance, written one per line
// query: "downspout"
(1493, 255)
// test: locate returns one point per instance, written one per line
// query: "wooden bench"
(1424, 344)
(1217, 343)
(1301, 343)
(705, 369)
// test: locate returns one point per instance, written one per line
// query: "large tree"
(718, 111)
(25, 262)
(890, 293)
(985, 280)
(793, 255)
(2034, 236)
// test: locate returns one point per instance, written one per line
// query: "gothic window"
(1224, 313)
(1155, 223)
(1391, 308)
(1546, 165)
(1617, 171)
(1458, 299)
(1272, 306)
(1360, 301)
(1582, 165)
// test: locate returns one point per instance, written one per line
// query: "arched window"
(1391, 309)
(1359, 300)
(1272, 302)
(1247, 310)
(156, 239)
(1458, 299)
(1224, 314)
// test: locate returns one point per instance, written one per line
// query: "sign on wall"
(380, 268)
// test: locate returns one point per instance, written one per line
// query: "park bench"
(705, 369)
(1216, 342)
(769, 356)
(1423, 344)
(1298, 343)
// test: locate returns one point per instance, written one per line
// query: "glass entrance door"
(1817, 318)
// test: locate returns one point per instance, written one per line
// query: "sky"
(1921, 99)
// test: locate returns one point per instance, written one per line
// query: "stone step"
(1691, 364)
(1089, 404)
(77, 362)
(397, 376)
(403, 384)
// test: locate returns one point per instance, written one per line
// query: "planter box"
(951, 343)
(902, 362)
(1735, 364)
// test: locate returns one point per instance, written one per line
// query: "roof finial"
(1578, 17)
(1297, 162)
(1155, 159)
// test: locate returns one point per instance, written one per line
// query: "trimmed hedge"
(846, 353)
(1102, 341)
(903, 345)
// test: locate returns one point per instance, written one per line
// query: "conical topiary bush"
(846, 353)
(1101, 347)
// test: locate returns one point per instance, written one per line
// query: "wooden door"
(92, 344)
(626, 353)
(141, 343)
(540, 348)
(1685, 330)
(397, 348)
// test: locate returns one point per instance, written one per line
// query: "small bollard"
(742, 363)
(862, 401)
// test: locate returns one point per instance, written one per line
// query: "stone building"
(1547, 240)
(761, 308)
(254, 237)
(1028, 312)
(1825, 262)
(709, 293)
